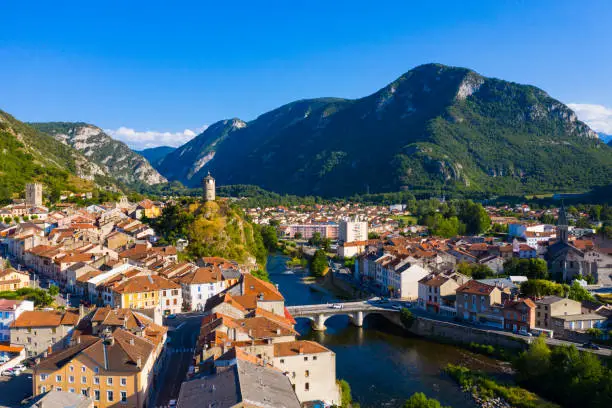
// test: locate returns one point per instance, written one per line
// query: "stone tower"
(562, 225)
(209, 188)
(34, 194)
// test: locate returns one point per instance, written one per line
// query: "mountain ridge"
(114, 156)
(434, 128)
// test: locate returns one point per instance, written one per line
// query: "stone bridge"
(356, 311)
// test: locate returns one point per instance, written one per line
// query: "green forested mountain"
(115, 157)
(155, 154)
(28, 155)
(435, 128)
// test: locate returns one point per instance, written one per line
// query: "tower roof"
(209, 177)
(562, 220)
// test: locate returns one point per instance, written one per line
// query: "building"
(554, 306)
(519, 315)
(208, 184)
(12, 279)
(39, 331)
(62, 399)
(115, 367)
(200, 285)
(577, 323)
(149, 292)
(480, 303)
(34, 195)
(9, 311)
(437, 294)
(351, 230)
(242, 384)
(306, 231)
(311, 369)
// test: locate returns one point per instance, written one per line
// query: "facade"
(519, 315)
(437, 294)
(306, 231)
(577, 322)
(480, 303)
(12, 279)
(351, 230)
(149, 292)
(554, 306)
(311, 369)
(208, 184)
(202, 284)
(39, 331)
(9, 311)
(34, 195)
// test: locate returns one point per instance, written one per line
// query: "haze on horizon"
(151, 74)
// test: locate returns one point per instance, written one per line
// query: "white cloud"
(598, 117)
(150, 138)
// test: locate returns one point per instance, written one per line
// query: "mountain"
(115, 157)
(185, 163)
(606, 138)
(27, 155)
(434, 128)
(155, 154)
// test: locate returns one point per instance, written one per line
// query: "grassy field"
(408, 219)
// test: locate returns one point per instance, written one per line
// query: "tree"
(420, 400)
(373, 235)
(475, 270)
(298, 235)
(406, 317)
(318, 264)
(270, 239)
(53, 290)
(533, 268)
(578, 293)
(7, 220)
(541, 287)
(316, 239)
(474, 216)
(345, 394)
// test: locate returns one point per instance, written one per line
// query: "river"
(383, 365)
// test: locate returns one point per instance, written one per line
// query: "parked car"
(171, 316)
(11, 372)
(19, 367)
(336, 306)
(172, 404)
(591, 345)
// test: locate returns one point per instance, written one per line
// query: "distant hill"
(115, 157)
(27, 155)
(155, 154)
(435, 128)
(606, 138)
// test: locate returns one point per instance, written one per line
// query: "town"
(95, 311)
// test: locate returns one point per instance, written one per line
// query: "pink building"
(307, 230)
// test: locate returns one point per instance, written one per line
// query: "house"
(554, 306)
(577, 323)
(311, 369)
(12, 279)
(41, 330)
(203, 283)
(149, 292)
(437, 294)
(526, 252)
(9, 311)
(147, 208)
(243, 384)
(62, 399)
(519, 315)
(479, 302)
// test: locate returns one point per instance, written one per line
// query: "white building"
(351, 230)
(200, 285)
(9, 311)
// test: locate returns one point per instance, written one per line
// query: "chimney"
(139, 362)
(49, 350)
(78, 340)
(131, 341)
(301, 350)
(278, 332)
(45, 354)
(81, 311)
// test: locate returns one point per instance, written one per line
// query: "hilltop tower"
(208, 183)
(34, 194)
(562, 225)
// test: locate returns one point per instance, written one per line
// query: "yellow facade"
(152, 212)
(140, 300)
(82, 376)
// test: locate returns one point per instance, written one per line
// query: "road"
(13, 390)
(183, 333)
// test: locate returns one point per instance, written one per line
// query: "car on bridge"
(336, 306)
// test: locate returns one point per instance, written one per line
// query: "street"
(180, 356)
(13, 390)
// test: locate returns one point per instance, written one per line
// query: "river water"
(383, 365)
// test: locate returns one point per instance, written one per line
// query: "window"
(58, 378)
(83, 380)
(43, 389)
(164, 293)
(123, 381)
(109, 380)
(96, 370)
(84, 391)
(71, 379)
(307, 386)
(71, 390)
(305, 358)
(54, 330)
(123, 396)
(96, 395)
(282, 361)
(97, 380)
(83, 369)
(314, 358)
(306, 373)
(58, 388)
(43, 377)
(71, 367)
(110, 396)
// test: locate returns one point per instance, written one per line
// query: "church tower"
(208, 183)
(562, 225)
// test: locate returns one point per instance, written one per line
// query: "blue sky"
(170, 68)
